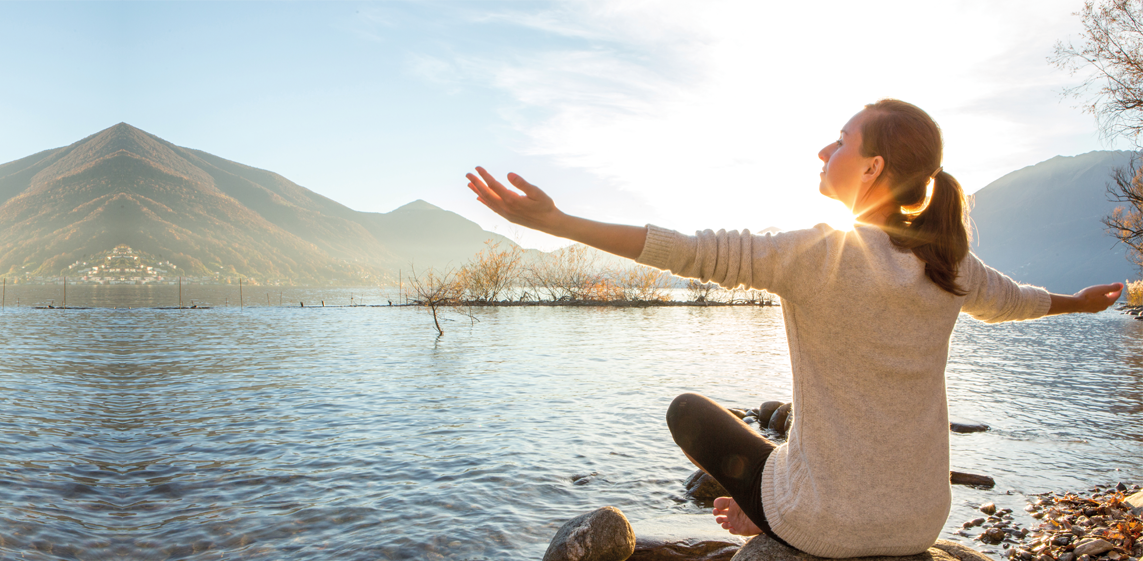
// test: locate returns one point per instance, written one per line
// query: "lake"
(288, 432)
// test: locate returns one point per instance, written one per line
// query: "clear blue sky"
(686, 114)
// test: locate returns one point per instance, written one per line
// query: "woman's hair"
(910, 143)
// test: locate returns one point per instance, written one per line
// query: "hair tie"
(935, 173)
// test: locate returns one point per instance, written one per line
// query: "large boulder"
(702, 486)
(601, 535)
(762, 548)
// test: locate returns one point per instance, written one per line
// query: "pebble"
(988, 508)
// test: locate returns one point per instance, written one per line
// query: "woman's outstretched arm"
(535, 209)
(1091, 299)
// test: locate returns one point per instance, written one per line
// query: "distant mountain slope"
(1041, 224)
(206, 214)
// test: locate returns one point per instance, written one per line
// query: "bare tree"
(698, 291)
(1126, 221)
(491, 272)
(639, 284)
(1111, 53)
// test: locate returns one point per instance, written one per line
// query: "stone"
(1067, 556)
(960, 478)
(988, 508)
(749, 420)
(763, 548)
(767, 409)
(600, 535)
(1136, 502)
(778, 419)
(1092, 546)
(653, 548)
(702, 486)
(683, 537)
(965, 426)
(740, 413)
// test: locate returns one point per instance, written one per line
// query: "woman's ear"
(873, 169)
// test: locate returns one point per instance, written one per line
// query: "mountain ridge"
(208, 214)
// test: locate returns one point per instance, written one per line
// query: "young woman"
(868, 313)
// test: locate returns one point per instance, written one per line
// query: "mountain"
(1041, 224)
(207, 215)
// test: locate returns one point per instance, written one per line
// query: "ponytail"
(934, 230)
(937, 235)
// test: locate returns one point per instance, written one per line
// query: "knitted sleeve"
(779, 263)
(993, 297)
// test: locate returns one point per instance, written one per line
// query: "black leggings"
(726, 448)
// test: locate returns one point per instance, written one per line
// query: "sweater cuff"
(657, 248)
(1043, 304)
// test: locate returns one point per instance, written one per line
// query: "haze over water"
(356, 433)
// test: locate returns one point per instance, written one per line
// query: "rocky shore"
(1104, 524)
(1136, 311)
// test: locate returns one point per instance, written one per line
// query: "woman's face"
(847, 175)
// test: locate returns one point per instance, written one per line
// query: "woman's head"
(906, 143)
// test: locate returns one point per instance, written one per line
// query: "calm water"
(356, 433)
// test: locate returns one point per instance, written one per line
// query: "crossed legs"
(720, 444)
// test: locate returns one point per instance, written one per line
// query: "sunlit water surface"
(289, 432)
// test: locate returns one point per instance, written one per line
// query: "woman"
(868, 313)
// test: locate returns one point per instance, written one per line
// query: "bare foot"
(727, 513)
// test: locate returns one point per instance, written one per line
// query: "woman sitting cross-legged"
(868, 314)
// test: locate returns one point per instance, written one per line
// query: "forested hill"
(207, 215)
(1041, 224)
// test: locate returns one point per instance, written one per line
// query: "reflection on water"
(355, 433)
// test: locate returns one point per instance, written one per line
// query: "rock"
(763, 548)
(702, 486)
(1092, 546)
(683, 537)
(1121, 487)
(993, 536)
(601, 535)
(653, 548)
(988, 508)
(740, 413)
(959, 478)
(767, 409)
(749, 420)
(1067, 556)
(778, 419)
(1136, 502)
(965, 426)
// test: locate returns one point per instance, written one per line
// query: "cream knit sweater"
(865, 470)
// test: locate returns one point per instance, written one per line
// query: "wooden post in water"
(180, 292)
(65, 293)
(239, 293)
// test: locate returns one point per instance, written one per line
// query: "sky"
(689, 115)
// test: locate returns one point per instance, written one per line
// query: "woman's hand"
(534, 209)
(1091, 299)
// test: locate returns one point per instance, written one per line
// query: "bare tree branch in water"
(435, 290)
